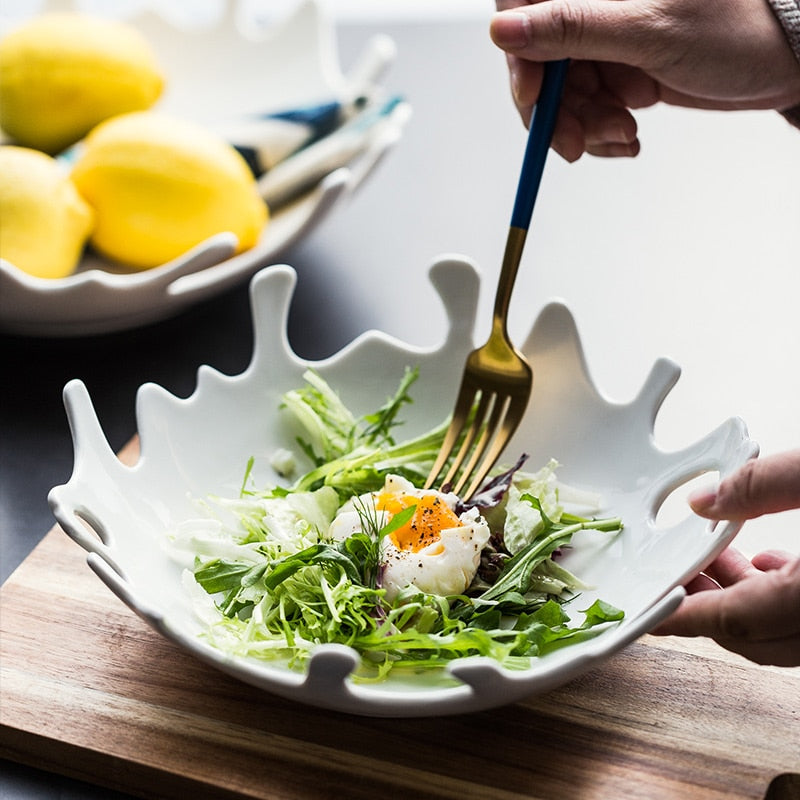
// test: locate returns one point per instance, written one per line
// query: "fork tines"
(484, 421)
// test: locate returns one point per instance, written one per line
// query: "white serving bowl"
(199, 445)
(289, 64)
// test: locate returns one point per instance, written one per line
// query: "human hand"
(749, 607)
(629, 54)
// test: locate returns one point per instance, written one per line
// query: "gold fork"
(496, 376)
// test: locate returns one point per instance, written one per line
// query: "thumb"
(763, 486)
(580, 29)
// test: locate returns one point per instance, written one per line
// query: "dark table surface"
(448, 187)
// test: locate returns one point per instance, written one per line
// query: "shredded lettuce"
(354, 455)
(280, 586)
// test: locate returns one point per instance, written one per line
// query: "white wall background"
(688, 251)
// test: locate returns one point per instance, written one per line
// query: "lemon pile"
(142, 188)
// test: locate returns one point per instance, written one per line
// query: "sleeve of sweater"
(788, 14)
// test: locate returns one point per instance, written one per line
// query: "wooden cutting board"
(89, 691)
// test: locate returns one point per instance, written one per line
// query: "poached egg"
(437, 550)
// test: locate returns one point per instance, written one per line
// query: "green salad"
(352, 551)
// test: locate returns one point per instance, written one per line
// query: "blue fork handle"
(540, 133)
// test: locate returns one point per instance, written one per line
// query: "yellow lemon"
(160, 185)
(61, 74)
(44, 222)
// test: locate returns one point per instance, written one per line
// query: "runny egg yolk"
(432, 516)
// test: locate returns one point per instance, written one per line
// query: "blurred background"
(687, 251)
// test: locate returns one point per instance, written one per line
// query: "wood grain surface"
(89, 691)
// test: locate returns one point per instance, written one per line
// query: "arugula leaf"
(233, 581)
(600, 612)
(516, 576)
(316, 554)
(221, 576)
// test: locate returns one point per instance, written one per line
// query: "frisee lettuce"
(279, 587)
(350, 454)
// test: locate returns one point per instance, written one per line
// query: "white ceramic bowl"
(199, 445)
(290, 64)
